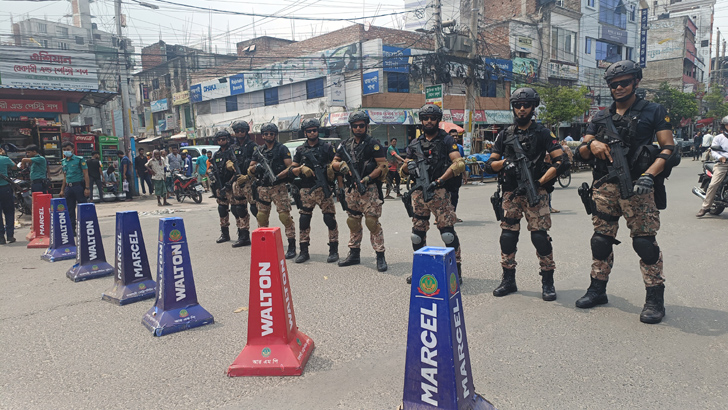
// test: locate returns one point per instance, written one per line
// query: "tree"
(716, 102)
(679, 105)
(562, 103)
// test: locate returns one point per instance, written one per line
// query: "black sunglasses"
(428, 118)
(358, 125)
(519, 105)
(267, 134)
(312, 130)
(624, 83)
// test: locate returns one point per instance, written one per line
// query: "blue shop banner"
(370, 83)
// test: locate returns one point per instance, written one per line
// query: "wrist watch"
(588, 145)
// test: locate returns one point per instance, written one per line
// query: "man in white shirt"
(719, 152)
(707, 141)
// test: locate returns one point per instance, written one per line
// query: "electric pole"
(123, 67)
(716, 67)
(470, 92)
(438, 26)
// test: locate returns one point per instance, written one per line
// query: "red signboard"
(30, 105)
(85, 138)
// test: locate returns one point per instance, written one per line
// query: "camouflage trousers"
(309, 202)
(643, 219)
(440, 206)
(368, 206)
(538, 218)
(223, 207)
(278, 195)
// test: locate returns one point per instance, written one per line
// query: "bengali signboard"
(40, 67)
(370, 82)
(524, 44)
(7, 105)
(181, 98)
(434, 95)
(498, 117)
(338, 119)
(613, 34)
(159, 105)
(388, 116)
(395, 59)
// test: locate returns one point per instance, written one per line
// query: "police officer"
(535, 142)
(313, 154)
(242, 193)
(226, 174)
(638, 123)
(75, 182)
(370, 162)
(279, 159)
(38, 169)
(444, 167)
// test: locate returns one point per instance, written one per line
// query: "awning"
(150, 139)
(705, 121)
(182, 135)
(88, 98)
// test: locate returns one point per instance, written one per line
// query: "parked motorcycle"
(721, 196)
(23, 196)
(187, 187)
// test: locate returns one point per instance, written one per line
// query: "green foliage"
(562, 103)
(678, 104)
(715, 100)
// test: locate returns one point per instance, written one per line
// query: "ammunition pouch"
(407, 201)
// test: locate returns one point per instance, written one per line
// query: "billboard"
(41, 67)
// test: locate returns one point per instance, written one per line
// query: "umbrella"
(448, 126)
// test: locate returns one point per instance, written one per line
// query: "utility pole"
(438, 26)
(123, 67)
(470, 92)
(716, 67)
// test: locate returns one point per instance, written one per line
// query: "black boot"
(352, 258)
(243, 238)
(381, 262)
(333, 252)
(291, 252)
(460, 273)
(303, 256)
(548, 291)
(224, 234)
(508, 284)
(654, 309)
(595, 295)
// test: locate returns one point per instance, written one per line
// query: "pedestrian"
(445, 167)
(7, 200)
(313, 155)
(393, 160)
(201, 170)
(187, 163)
(697, 142)
(156, 167)
(719, 153)
(75, 181)
(568, 138)
(368, 159)
(125, 173)
(275, 192)
(535, 142)
(174, 165)
(38, 169)
(210, 174)
(242, 188)
(94, 174)
(706, 143)
(454, 186)
(140, 164)
(641, 122)
(226, 173)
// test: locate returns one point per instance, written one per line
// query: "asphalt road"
(63, 347)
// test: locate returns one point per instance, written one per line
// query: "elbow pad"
(458, 166)
(561, 164)
(383, 172)
(489, 166)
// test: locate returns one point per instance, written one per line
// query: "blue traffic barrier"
(437, 370)
(132, 277)
(90, 256)
(176, 308)
(62, 244)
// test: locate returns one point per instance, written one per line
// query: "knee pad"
(449, 236)
(262, 218)
(235, 211)
(508, 241)
(305, 221)
(242, 211)
(285, 218)
(542, 242)
(330, 221)
(354, 224)
(254, 208)
(601, 246)
(418, 239)
(222, 210)
(372, 223)
(647, 249)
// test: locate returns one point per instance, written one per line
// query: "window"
(62, 46)
(704, 43)
(203, 108)
(97, 36)
(613, 12)
(45, 43)
(632, 12)
(79, 40)
(231, 103)
(271, 96)
(588, 45)
(155, 84)
(560, 3)
(590, 3)
(62, 31)
(563, 44)
(630, 52)
(168, 80)
(398, 82)
(492, 89)
(42, 28)
(608, 52)
(315, 88)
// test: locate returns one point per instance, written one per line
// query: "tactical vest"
(437, 158)
(538, 168)
(363, 165)
(244, 154)
(274, 159)
(320, 153)
(627, 128)
(219, 160)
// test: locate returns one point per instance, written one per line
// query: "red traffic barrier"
(275, 346)
(41, 235)
(31, 235)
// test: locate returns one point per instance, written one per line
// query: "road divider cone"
(90, 256)
(62, 245)
(176, 308)
(31, 235)
(275, 346)
(132, 277)
(41, 237)
(437, 370)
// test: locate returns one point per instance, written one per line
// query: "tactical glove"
(510, 168)
(242, 179)
(306, 171)
(229, 165)
(644, 184)
(343, 168)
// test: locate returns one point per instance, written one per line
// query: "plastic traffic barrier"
(41, 234)
(62, 245)
(90, 256)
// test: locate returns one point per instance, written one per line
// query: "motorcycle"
(23, 196)
(187, 187)
(721, 196)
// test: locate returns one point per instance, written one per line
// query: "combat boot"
(654, 309)
(333, 252)
(595, 295)
(381, 262)
(291, 252)
(303, 256)
(352, 258)
(548, 292)
(508, 284)
(224, 234)
(243, 238)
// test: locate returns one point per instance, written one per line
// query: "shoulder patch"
(288, 154)
(554, 141)
(667, 118)
(376, 147)
(454, 146)
(83, 162)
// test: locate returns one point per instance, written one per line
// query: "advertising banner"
(337, 90)
(40, 67)
(396, 60)
(237, 84)
(338, 119)
(214, 89)
(159, 105)
(434, 94)
(389, 116)
(499, 68)
(30, 105)
(370, 83)
(614, 34)
(527, 68)
(181, 98)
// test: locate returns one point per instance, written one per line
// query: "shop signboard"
(40, 67)
(237, 84)
(434, 95)
(498, 117)
(337, 90)
(644, 26)
(171, 123)
(395, 59)
(613, 34)
(389, 116)
(499, 68)
(338, 118)
(196, 93)
(370, 82)
(569, 72)
(524, 44)
(159, 105)
(217, 88)
(181, 98)
(527, 68)
(8, 105)
(459, 116)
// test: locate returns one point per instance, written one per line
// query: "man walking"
(7, 200)
(719, 152)
(125, 172)
(201, 170)
(156, 167)
(174, 164)
(393, 160)
(94, 175)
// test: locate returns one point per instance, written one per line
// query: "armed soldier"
(629, 175)
(270, 166)
(242, 192)
(518, 157)
(362, 161)
(434, 161)
(226, 172)
(312, 162)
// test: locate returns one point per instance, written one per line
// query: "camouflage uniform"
(367, 205)
(278, 195)
(240, 198)
(320, 154)
(538, 218)
(441, 206)
(309, 201)
(219, 160)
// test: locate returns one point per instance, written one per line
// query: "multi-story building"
(671, 55)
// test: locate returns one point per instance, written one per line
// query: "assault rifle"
(422, 178)
(319, 172)
(344, 154)
(266, 175)
(523, 174)
(225, 185)
(619, 168)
